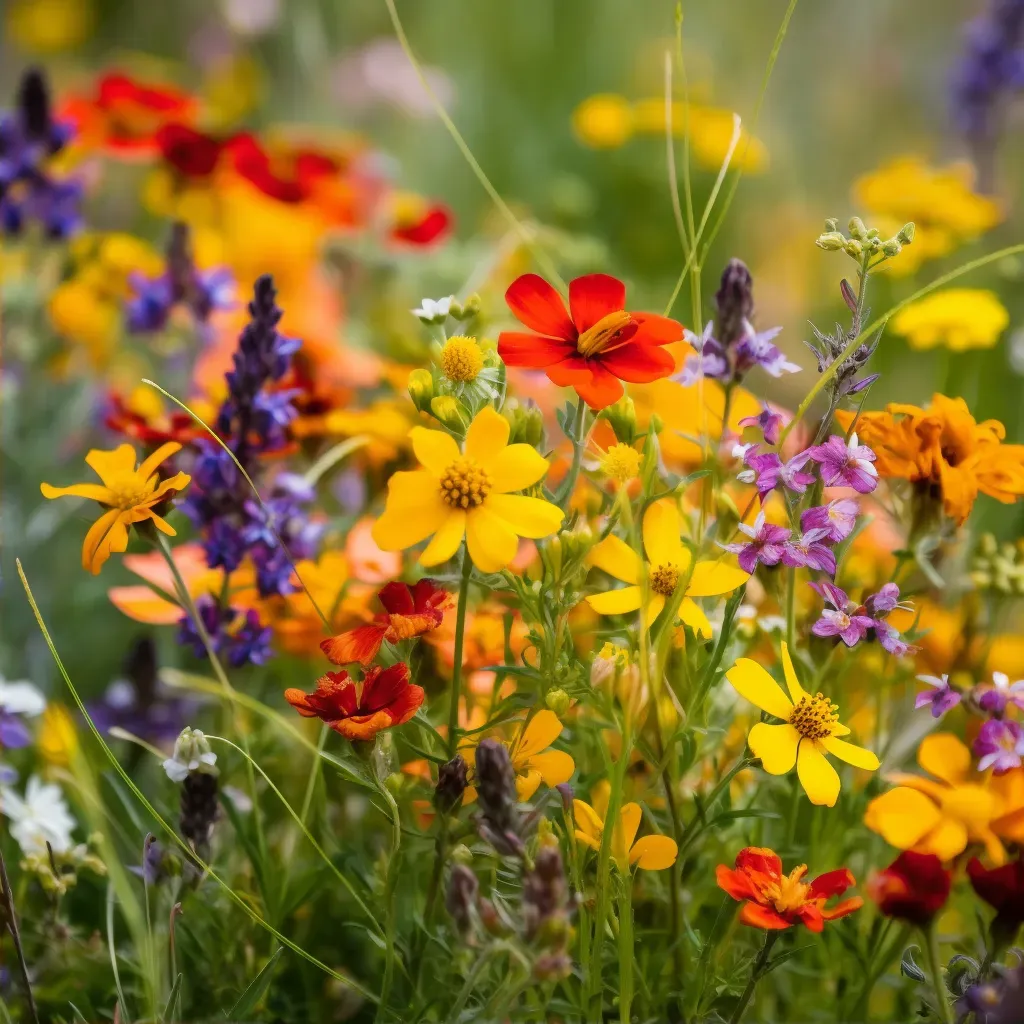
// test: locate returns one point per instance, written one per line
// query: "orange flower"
(408, 612)
(359, 710)
(776, 901)
(945, 449)
(146, 602)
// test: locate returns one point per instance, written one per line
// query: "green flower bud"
(857, 229)
(468, 309)
(853, 248)
(421, 389)
(831, 241)
(451, 412)
(558, 701)
(831, 225)
(622, 417)
(892, 248)
(527, 422)
(906, 233)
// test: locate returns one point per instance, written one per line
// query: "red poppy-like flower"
(430, 224)
(775, 901)
(191, 153)
(408, 612)
(359, 710)
(594, 346)
(914, 887)
(1002, 888)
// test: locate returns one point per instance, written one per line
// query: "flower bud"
(734, 301)
(527, 422)
(830, 241)
(468, 309)
(831, 225)
(451, 412)
(192, 756)
(857, 229)
(451, 784)
(892, 247)
(461, 898)
(853, 248)
(421, 389)
(622, 418)
(906, 233)
(558, 701)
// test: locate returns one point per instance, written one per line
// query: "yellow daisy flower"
(129, 494)
(467, 494)
(668, 562)
(955, 318)
(810, 730)
(652, 853)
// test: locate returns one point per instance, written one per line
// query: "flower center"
(665, 579)
(130, 495)
(789, 893)
(621, 463)
(461, 359)
(608, 329)
(814, 717)
(464, 484)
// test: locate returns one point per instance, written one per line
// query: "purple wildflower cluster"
(252, 422)
(999, 744)
(853, 623)
(29, 138)
(201, 292)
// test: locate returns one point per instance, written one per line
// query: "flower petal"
(593, 297)
(587, 819)
(617, 558)
(446, 539)
(947, 840)
(859, 757)
(796, 692)
(655, 606)
(763, 917)
(638, 364)
(832, 883)
(108, 534)
(487, 436)
(95, 492)
(527, 784)
(615, 602)
(753, 682)
(516, 467)
(819, 779)
(713, 577)
(693, 615)
(945, 756)
(601, 389)
(149, 464)
(435, 449)
(776, 745)
(555, 766)
(537, 305)
(536, 735)
(529, 517)
(492, 542)
(662, 528)
(531, 350)
(654, 853)
(656, 330)
(414, 510)
(625, 831)
(112, 465)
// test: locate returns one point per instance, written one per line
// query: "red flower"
(430, 225)
(178, 426)
(774, 900)
(1001, 888)
(191, 153)
(408, 612)
(596, 347)
(359, 710)
(289, 175)
(914, 887)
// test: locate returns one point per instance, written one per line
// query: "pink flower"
(769, 421)
(810, 552)
(842, 619)
(766, 545)
(999, 746)
(846, 464)
(941, 697)
(837, 518)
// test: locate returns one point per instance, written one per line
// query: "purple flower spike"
(757, 349)
(841, 619)
(766, 545)
(838, 518)
(769, 421)
(999, 746)
(810, 552)
(940, 698)
(1002, 692)
(846, 464)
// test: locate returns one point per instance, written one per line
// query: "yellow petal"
(529, 517)
(662, 527)
(487, 436)
(654, 853)
(141, 514)
(111, 466)
(819, 779)
(555, 766)
(945, 756)
(178, 482)
(655, 604)
(796, 691)
(753, 682)
(527, 784)
(587, 819)
(108, 534)
(615, 602)
(150, 463)
(95, 492)
(615, 557)
(859, 757)
(446, 539)
(625, 832)
(776, 746)
(599, 797)
(902, 816)
(947, 840)
(591, 841)
(711, 578)
(492, 542)
(516, 467)
(693, 615)
(414, 510)
(536, 735)
(435, 449)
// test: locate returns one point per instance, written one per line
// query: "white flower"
(192, 753)
(433, 311)
(21, 698)
(38, 818)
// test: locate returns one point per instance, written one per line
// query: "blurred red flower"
(914, 887)
(1002, 888)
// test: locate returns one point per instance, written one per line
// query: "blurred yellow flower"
(604, 121)
(49, 26)
(58, 737)
(956, 318)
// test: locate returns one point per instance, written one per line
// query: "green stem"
(578, 443)
(931, 948)
(790, 606)
(460, 634)
(625, 949)
(390, 887)
(760, 965)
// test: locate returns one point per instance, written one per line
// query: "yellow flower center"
(665, 579)
(814, 717)
(461, 358)
(789, 893)
(464, 484)
(603, 333)
(130, 493)
(621, 462)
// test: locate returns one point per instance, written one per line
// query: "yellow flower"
(810, 730)
(604, 121)
(621, 462)
(129, 494)
(956, 318)
(50, 26)
(668, 562)
(467, 494)
(462, 359)
(58, 738)
(942, 817)
(653, 853)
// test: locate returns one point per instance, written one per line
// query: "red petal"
(432, 227)
(383, 687)
(428, 596)
(189, 152)
(362, 727)
(531, 350)
(360, 644)
(397, 598)
(638, 364)
(536, 304)
(572, 370)
(603, 388)
(759, 860)
(811, 916)
(842, 909)
(763, 917)
(736, 883)
(298, 700)
(593, 297)
(657, 330)
(832, 883)
(402, 709)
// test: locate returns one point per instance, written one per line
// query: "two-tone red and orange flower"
(593, 346)
(408, 612)
(358, 710)
(774, 900)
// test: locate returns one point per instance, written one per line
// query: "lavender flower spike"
(846, 463)
(940, 698)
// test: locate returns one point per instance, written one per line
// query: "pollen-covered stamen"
(611, 330)
(814, 717)
(665, 579)
(789, 892)
(462, 359)
(131, 495)
(464, 484)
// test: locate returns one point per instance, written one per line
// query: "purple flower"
(766, 544)
(711, 360)
(769, 421)
(766, 470)
(810, 552)
(889, 637)
(757, 349)
(940, 698)
(995, 698)
(238, 636)
(887, 599)
(842, 619)
(846, 464)
(999, 746)
(18, 701)
(153, 867)
(838, 518)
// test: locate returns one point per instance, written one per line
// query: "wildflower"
(838, 518)
(1002, 888)
(621, 463)
(58, 738)
(359, 710)
(467, 494)
(594, 347)
(757, 348)
(433, 311)
(192, 754)
(155, 861)
(768, 421)
(603, 121)
(668, 565)
(767, 471)
(1001, 693)
(811, 551)
(944, 450)
(38, 818)
(957, 318)
(461, 359)
(197, 810)
(416, 222)
(461, 897)
(18, 700)
(500, 821)
(652, 853)
(734, 303)
(939, 817)
(811, 730)
(546, 906)
(130, 494)
(914, 887)
(846, 463)
(940, 698)
(999, 746)
(451, 784)
(408, 612)
(711, 361)
(238, 636)
(773, 900)
(766, 545)
(1000, 1001)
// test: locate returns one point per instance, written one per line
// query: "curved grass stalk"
(234, 896)
(112, 949)
(333, 456)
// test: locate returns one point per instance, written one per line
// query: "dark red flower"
(191, 153)
(178, 426)
(1001, 888)
(288, 174)
(593, 347)
(430, 225)
(408, 612)
(914, 887)
(359, 710)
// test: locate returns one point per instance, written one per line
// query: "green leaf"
(171, 1009)
(257, 987)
